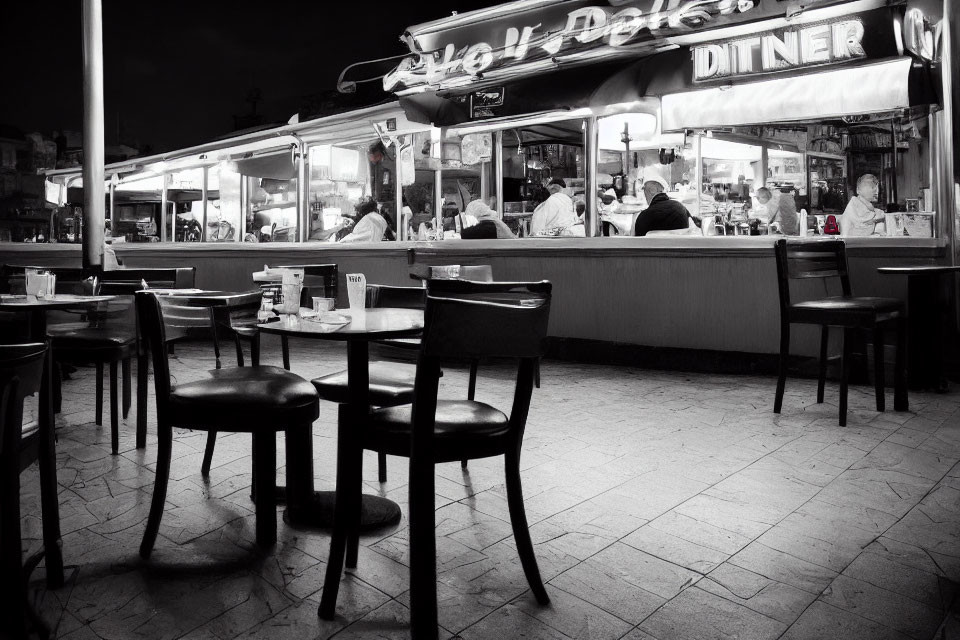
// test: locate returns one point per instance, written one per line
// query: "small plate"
(329, 317)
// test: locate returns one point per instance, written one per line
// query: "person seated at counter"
(488, 224)
(664, 213)
(861, 217)
(555, 215)
(371, 226)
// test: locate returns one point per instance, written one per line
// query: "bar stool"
(464, 320)
(256, 400)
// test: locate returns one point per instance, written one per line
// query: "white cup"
(35, 282)
(323, 304)
(357, 291)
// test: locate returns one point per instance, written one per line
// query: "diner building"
(760, 118)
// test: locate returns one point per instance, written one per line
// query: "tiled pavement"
(662, 505)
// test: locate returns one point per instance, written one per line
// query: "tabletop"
(369, 324)
(920, 269)
(58, 301)
(202, 298)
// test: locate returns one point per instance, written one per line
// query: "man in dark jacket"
(663, 214)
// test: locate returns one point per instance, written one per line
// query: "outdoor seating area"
(629, 503)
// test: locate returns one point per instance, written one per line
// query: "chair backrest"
(469, 320)
(156, 278)
(820, 259)
(124, 283)
(382, 295)
(153, 331)
(21, 370)
(473, 272)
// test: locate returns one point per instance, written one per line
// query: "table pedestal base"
(376, 513)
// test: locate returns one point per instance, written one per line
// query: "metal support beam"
(303, 194)
(498, 170)
(398, 194)
(591, 146)
(163, 210)
(93, 155)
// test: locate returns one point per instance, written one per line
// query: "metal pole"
(203, 200)
(698, 173)
(591, 144)
(398, 195)
(163, 209)
(893, 162)
(113, 208)
(93, 157)
(437, 197)
(303, 195)
(498, 171)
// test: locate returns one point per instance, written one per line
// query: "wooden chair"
(824, 259)
(463, 320)
(21, 371)
(256, 400)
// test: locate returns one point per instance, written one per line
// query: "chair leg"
(901, 400)
(255, 350)
(125, 372)
(822, 377)
(536, 374)
(285, 350)
(164, 449)
(12, 584)
(472, 383)
(99, 395)
(114, 410)
(521, 532)
(782, 368)
(236, 340)
(143, 363)
(845, 374)
(878, 381)
(381, 467)
(338, 541)
(423, 550)
(57, 388)
(265, 445)
(208, 453)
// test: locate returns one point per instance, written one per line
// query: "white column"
(591, 145)
(498, 170)
(93, 159)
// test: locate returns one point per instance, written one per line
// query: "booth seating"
(822, 259)
(463, 321)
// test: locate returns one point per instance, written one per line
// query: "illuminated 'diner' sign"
(807, 46)
(560, 37)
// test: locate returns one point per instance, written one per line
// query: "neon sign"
(788, 49)
(585, 29)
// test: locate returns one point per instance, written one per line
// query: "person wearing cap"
(556, 212)
(861, 217)
(663, 214)
(488, 224)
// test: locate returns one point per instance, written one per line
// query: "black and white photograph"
(480, 320)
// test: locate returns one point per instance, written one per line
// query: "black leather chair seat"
(104, 344)
(462, 427)
(845, 310)
(245, 399)
(391, 383)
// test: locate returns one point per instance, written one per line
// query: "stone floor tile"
(773, 599)
(913, 618)
(574, 617)
(699, 615)
(674, 549)
(822, 620)
(783, 567)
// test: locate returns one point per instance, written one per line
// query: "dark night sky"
(176, 71)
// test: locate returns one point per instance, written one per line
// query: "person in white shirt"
(556, 212)
(861, 217)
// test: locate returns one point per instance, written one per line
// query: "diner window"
(631, 153)
(339, 182)
(185, 192)
(466, 175)
(138, 200)
(418, 178)
(535, 156)
(224, 203)
(269, 194)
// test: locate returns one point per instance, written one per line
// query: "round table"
(925, 313)
(36, 312)
(366, 325)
